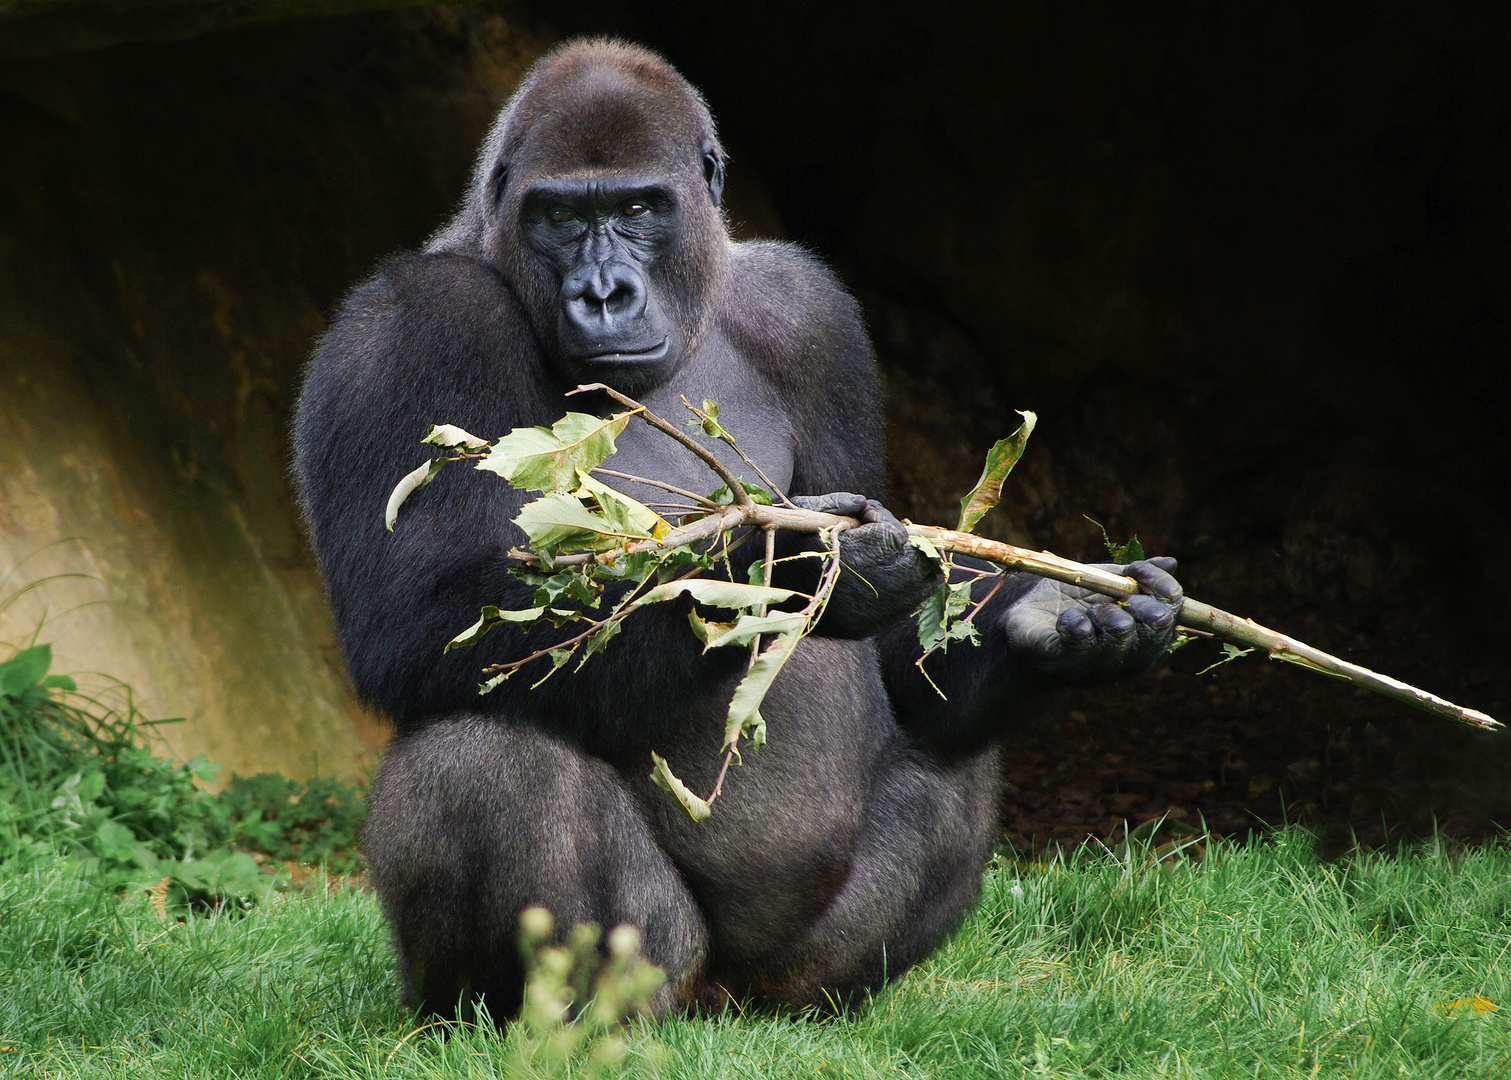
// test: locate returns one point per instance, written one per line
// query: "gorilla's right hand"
(1072, 637)
(883, 577)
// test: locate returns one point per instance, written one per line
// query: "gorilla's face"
(605, 240)
(603, 214)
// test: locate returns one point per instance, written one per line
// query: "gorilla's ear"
(497, 181)
(713, 170)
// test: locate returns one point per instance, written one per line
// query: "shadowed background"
(1250, 271)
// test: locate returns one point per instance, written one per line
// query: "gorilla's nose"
(604, 301)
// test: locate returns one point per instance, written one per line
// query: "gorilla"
(590, 247)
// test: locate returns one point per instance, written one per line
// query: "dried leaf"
(406, 487)
(1477, 1005)
(662, 775)
(449, 435)
(1000, 460)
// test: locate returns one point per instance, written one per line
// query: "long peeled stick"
(1198, 616)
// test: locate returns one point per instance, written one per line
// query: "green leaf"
(561, 521)
(24, 670)
(572, 583)
(925, 545)
(1000, 460)
(542, 459)
(449, 435)
(406, 487)
(716, 593)
(661, 773)
(710, 425)
(1181, 639)
(722, 496)
(205, 769)
(745, 706)
(598, 639)
(937, 616)
(703, 629)
(749, 626)
(615, 503)
(1132, 551)
(487, 620)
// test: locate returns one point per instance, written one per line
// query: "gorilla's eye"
(634, 209)
(561, 215)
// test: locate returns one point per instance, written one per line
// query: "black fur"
(845, 850)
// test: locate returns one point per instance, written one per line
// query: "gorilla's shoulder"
(428, 285)
(415, 308)
(786, 311)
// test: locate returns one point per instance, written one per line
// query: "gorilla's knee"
(473, 820)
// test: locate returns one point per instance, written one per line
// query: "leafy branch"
(596, 556)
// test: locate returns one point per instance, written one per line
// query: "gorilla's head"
(597, 196)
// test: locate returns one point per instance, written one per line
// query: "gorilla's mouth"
(631, 356)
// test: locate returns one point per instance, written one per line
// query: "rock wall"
(175, 222)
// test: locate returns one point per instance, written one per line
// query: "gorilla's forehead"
(606, 131)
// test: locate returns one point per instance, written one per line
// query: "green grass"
(1259, 961)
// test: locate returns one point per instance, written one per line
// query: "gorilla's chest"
(749, 408)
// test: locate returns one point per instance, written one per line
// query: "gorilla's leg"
(929, 831)
(474, 820)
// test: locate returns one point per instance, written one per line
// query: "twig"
(1199, 616)
(746, 458)
(701, 500)
(755, 650)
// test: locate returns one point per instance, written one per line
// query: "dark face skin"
(602, 239)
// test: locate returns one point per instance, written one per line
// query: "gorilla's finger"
(839, 503)
(1112, 619)
(1156, 580)
(878, 515)
(1074, 624)
(1151, 611)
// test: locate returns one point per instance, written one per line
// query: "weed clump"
(85, 779)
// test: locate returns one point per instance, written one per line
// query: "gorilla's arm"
(1038, 637)
(438, 339)
(805, 332)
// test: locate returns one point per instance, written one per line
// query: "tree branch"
(1199, 616)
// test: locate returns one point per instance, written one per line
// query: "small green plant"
(83, 778)
(578, 996)
(314, 822)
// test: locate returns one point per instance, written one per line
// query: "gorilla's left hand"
(884, 577)
(1069, 636)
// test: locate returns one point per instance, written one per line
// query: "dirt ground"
(1332, 555)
